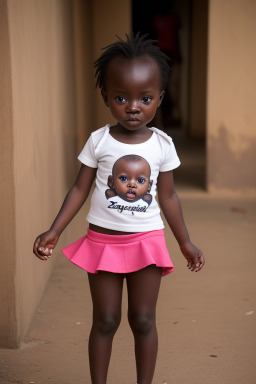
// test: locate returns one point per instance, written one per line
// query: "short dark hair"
(134, 46)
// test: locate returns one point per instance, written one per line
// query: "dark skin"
(132, 91)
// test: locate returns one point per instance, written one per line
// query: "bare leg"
(143, 288)
(106, 291)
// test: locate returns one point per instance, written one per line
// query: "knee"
(107, 324)
(142, 323)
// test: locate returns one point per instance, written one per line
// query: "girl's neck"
(126, 136)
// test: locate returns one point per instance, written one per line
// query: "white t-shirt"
(126, 179)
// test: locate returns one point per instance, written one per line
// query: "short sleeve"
(170, 157)
(87, 155)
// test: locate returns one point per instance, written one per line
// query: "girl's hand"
(194, 257)
(44, 244)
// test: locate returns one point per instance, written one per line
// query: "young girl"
(125, 238)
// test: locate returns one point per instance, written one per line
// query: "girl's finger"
(36, 243)
(37, 250)
(41, 257)
(195, 266)
(201, 260)
(200, 265)
(44, 251)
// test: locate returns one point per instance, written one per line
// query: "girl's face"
(132, 91)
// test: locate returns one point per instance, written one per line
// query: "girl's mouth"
(133, 121)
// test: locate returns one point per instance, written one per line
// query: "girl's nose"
(133, 107)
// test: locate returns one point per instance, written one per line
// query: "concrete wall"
(7, 223)
(38, 140)
(231, 121)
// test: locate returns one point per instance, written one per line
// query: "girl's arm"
(171, 207)
(74, 200)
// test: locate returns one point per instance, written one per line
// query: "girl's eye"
(123, 178)
(146, 99)
(120, 99)
(141, 180)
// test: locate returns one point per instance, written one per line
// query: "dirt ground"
(206, 321)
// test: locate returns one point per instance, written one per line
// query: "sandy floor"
(206, 321)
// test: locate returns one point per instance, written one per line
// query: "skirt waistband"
(121, 239)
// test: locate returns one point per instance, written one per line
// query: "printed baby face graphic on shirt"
(130, 180)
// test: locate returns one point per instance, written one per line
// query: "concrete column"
(231, 97)
(8, 318)
(38, 147)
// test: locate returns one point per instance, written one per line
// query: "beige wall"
(7, 223)
(231, 121)
(39, 132)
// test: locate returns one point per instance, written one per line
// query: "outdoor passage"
(122, 173)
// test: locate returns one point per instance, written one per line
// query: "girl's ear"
(104, 96)
(161, 98)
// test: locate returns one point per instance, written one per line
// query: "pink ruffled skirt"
(120, 254)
